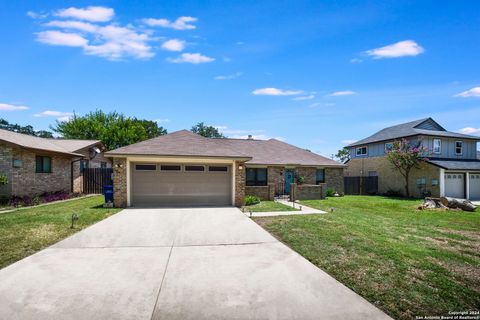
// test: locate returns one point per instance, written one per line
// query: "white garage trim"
(442, 182)
(467, 176)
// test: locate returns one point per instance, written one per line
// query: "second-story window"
(458, 148)
(388, 146)
(437, 146)
(361, 151)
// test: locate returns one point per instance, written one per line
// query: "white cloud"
(239, 43)
(182, 23)
(309, 97)
(111, 41)
(470, 130)
(321, 104)
(474, 92)
(94, 14)
(12, 107)
(342, 93)
(174, 45)
(356, 60)
(229, 77)
(36, 15)
(348, 141)
(161, 120)
(62, 116)
(194, 58)
(275, 92)
(58, 38)
(400, 49)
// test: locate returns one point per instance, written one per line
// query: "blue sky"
(317, 74)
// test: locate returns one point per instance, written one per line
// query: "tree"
(4, 124)
(113, 129)
(343, 155)
(404, 156)
(206, 131)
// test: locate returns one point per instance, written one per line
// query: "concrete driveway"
(201, 263)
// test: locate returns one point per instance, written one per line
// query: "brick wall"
(308, 173)
(6, 168)
(390, 179)
(120, 182)
(239, 183)
(334, 179)
(307, 192)
(25, 181)
(263, 192)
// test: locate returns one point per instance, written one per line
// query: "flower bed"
(27, 201)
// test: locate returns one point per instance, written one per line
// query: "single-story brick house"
(183, 168)
(35, 165)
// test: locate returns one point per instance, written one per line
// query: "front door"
(289, 178)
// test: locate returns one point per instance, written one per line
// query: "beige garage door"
(181, 184)
(475, 186)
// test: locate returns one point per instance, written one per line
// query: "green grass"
(269, 206)
(26, 231)
(406, 261)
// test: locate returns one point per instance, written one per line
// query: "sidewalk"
(304, 210)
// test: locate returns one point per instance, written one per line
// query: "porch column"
(442, 182)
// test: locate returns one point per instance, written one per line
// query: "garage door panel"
(455, 185)
(157, 188)
(474, 186)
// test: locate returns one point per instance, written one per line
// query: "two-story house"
(452, 168)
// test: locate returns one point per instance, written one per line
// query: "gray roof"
(65, 146)
(478, 155)
(188, 144)
(410, 129)
(456, 164)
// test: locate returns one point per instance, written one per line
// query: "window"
(437, 146)
(103, 164)
(169, 167)
(320, 176)
(145, 167)
(256, 176)
(217, 169)
(83, 165)
(361, 151)
(195, 168)
(458, 148)
(43, 164)
(388, 146)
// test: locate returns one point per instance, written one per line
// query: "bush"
(394, 193)
(300, 180)
(330, 192)
(251, 200)
(3, 179)
(27, 201)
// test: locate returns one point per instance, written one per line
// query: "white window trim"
(440, 146)
(461, 148)
(361, 155)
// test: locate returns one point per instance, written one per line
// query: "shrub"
(27, 201)
(394, 193)
(330, 192)
(300, 179)
(251, 200)
(3, 179)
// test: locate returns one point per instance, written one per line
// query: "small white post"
(467, 191)
(442, 182)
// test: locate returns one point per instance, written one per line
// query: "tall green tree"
(404, 156)
(4, 124)
(113, 129)
(206, 131)
(343, 155)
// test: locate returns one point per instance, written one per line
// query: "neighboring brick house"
(183, 168)
(36, 165)
(452, 168)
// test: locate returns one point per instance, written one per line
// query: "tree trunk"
(407, 192)
(454, 203)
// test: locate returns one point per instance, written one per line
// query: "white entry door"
(455, 185)
(474, 186)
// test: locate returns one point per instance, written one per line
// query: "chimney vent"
(250, 137)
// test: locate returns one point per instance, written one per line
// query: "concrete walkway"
(304, 210)
(205, 263)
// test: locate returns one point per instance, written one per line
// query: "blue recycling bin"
(108, 193)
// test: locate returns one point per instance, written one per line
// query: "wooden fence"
(95, 178)
(361, 185)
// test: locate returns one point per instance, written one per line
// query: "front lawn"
(26, 231)
(269, 206)
(406, 261)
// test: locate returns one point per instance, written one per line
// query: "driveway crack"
(163, 279)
